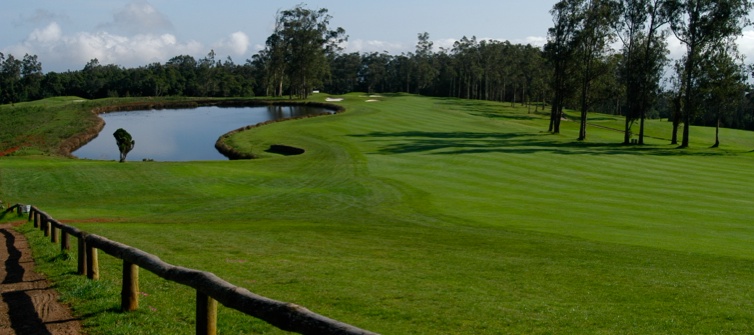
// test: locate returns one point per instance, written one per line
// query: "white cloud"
(746, 45)
(47, 35)
(368, 46)
(59, 52)
(676, 48)
(236, 44)
(446, 43)
(537, 41)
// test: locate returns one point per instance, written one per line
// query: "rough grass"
(425, 216)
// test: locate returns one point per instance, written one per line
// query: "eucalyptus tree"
(536, 75)
(345, 73)
(374, 71)
(447, 78)
(607, 94)
(400, 72)
(701, 25)
(425, 70)
(560, 53)
(592, 38)
(639, 26)
(722, 82)
(267, 72)
(677, 87)
(466, 50)
(492, 60)
(207, 75)
(524, 65)
(299, 47)
(274, 62)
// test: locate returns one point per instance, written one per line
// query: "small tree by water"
(125, 143)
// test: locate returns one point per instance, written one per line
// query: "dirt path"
(28, 306)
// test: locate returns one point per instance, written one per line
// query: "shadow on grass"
(492, 110)
(455, 143)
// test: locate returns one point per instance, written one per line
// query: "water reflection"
(181, 134)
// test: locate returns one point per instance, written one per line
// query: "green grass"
(419, 215)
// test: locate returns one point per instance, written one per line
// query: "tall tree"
(10, 79)
(303, 38)
(470, 70)
(559, 51)
(592, 44)
(722, 82)
(345, 73)
(700, 25)
(374, 71)
(426, 71)
(31, 72)
(639, 27)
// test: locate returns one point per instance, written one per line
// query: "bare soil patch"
(28, 304)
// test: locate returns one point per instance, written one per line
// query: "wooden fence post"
(36, 219)
(129, 293)
(65, 241)
(206, 314)
(53, 233)
(43, 223)
(46, 226)
(92, 263)
(82, 256)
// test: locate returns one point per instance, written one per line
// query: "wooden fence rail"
(210, 289)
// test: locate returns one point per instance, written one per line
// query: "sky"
(65, 35)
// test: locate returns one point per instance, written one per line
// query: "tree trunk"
(674, 138)
(717, 132)
(687, 107)
(686, 126)
(676, 117)
(641, 129)
(553, 113)
(582, 124)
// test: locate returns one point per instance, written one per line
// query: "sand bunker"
(334, 99)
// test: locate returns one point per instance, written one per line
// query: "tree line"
(708, 82)
(579, 68)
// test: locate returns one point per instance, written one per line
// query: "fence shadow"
(23, 316)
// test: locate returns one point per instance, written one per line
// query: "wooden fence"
(210, 289)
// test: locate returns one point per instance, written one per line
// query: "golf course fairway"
(416, 215)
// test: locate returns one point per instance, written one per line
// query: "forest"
(606, 56)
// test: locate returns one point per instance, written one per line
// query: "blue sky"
(67, 34)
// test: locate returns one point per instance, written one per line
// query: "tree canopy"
(125, 143)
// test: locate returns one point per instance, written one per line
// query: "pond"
(181, 134)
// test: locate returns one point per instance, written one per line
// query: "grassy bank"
(417, 215)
